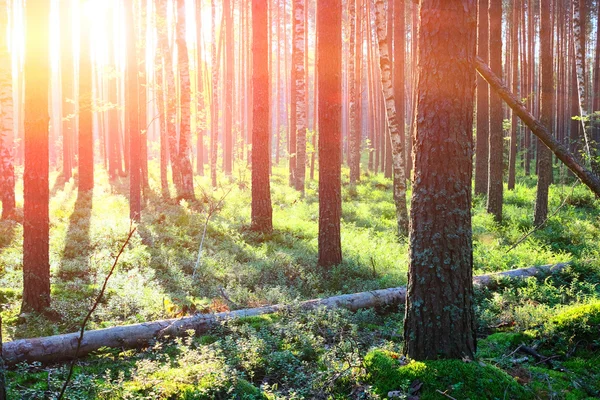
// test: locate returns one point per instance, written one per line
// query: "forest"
(300, 199)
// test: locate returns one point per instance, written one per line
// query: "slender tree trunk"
(142, 92)
(186, 191)
(132, 116)
(36, 227)
(299, 84)
(544, 154)
(387, 167)
(596, 104)
(514, 40)
(214, 134)
(229, 77)
(86, 134)
(496, 162)
(329, 59)
(399, 71)
(7, 169)
(395, 135)
(440, 320)
(262, 212)
(353, 87)
(67, 82)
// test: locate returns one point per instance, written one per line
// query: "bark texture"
(262, 211)
(353, 86)
(440, 320)
(547, 109)
(7, 171)
(496, 138)
(329, 76)
(482, 142)
(299, 93)
(36, 261)
(186, 190)
(132, 117)
(385, 67)
(538, 129)
(514, 59)
(86, 138)
(62, 347)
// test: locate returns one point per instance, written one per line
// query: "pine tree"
(7, 171)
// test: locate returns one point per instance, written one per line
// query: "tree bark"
(395, 135)
(36, 227)
(399, 71)
(329, 59)
(544, 154)
(67, 86)
(7, 169)
(262, 211)
(496, 138)
(353, 87)
(299, 94)
(132, 116)
(62, 347)
(86, 134)
(563, 154)
(514, 40)
(440, 319)
(228, 101)
(214, 134)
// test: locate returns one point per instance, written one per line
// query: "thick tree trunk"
(561, 151)
(262, 212)
(329, 59)
(440, 320)
(544, 154)
(36, 226)
(299, 93)
(186, 191)
(7, 169)
(395, 135)
(86, 134)
(496, 144)
(62, 347)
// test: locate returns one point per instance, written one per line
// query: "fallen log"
(63, 347)
(538, 129)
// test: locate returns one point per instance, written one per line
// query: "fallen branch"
(64, 347)
(539, 130)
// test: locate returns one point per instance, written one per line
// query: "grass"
(300, 355)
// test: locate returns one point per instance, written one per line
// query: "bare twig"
(91, 311)
(539, 226)
(212, 209)
(444, 394)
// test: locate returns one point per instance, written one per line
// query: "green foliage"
(459, 379)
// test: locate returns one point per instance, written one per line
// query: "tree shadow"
(77, 250)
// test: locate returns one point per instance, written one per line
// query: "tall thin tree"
(7, 169)
(86, 138)
(329, 72)
(36, 224)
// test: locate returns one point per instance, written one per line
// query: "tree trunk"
(353, 87)
(86, 134)
(440, 320)
(329, 59)
(228, 101)
(399, 73)
(36, 257)
(544, 154)
(7, 169)
(299, 93)
(67, 83)
(214, 134)
(141, 30)
(395, 135)
(262, 212)
(185, 90)
(514, 40)
(132, 116)
(496, 145)
(596, 104)
(563, 154)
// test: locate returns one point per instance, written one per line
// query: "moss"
(457, 378)
(8, 295)
(500, 343)
(580, 322)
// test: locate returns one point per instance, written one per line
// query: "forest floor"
(318, 354)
